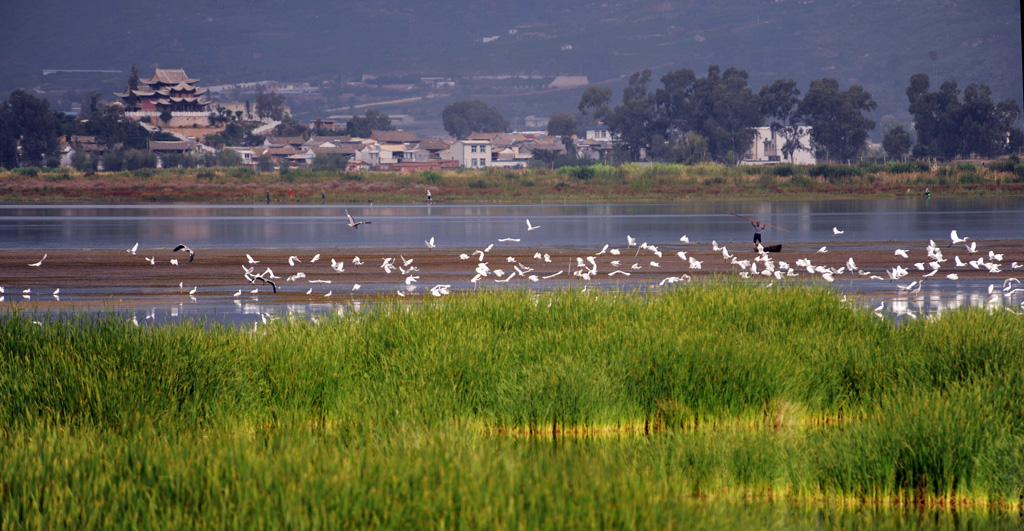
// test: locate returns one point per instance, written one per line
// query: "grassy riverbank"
(515, 410)
(627, 183)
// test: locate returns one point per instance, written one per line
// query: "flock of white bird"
(621, 263)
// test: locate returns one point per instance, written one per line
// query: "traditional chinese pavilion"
(168, 90)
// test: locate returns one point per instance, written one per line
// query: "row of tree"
(693, 119)
(30, 131)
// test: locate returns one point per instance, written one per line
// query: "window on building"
(472, 149)
(473, 162)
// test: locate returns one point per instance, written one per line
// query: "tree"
(839, 128)
(949, 127)
(8, 137)
(896, 143)
(636, 120)
(720, 108)
(37, 126)
(90, 103)
(726, 112)
(112, 128)
(363, 126)
(778, 103)
(228, 157)
(132, 101)
(466, 117)
(269, 104)
(564, 126)
(594, 103)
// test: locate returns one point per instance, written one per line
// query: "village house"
(471, 153)
(767, 145)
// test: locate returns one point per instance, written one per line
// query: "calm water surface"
(323, 226)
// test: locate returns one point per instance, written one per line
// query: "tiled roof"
(395, 137)
(168, 76)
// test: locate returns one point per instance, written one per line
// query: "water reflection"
(204, 226)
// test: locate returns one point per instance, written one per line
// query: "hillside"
(875, 43)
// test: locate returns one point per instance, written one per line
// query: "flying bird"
(251, 260)
(183, 247)
(40, 262)
(836, 231)
(901, 252)
(353, 223)
(531, 228)
(955, 238)
(430, 243)
(133, 249)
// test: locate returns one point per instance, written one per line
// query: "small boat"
(773, 248)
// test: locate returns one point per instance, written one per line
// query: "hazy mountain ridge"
(873, 43)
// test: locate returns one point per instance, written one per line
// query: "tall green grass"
(513, 410)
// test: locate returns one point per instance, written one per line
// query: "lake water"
(584, 226)
(588, 225)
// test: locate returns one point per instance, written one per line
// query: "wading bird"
(353, 223)
(531, 228)
(40, 262)
(183, 247)
(955, 238)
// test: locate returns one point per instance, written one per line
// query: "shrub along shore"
(595, 183)
(516, 409)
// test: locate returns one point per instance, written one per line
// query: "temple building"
(168, 90)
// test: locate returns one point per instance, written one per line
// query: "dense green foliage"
(507, 410)
(949, 126)
(466, 117)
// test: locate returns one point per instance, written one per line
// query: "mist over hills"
(877, 44)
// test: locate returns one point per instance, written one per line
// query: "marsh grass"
(511, 409)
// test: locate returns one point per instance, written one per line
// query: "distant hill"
(878, 44)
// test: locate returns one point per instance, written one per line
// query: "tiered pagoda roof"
(167, 90)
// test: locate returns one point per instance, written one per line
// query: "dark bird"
(254, 278)
(353, 223)
(183, 247)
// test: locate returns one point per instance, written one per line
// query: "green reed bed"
(515, 409)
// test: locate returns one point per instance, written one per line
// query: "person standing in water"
(430, 198)
(758, 227)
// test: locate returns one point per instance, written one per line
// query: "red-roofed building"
(167, 90)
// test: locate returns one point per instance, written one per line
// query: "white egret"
(684, 239)
(251, 259)
(955, 238)
(953, 276)
(174, 261)
(901, 252)
(40, 262)
(824, 249)
(292, 260)
(315, 258)
(430, 243)
(133, 249)
(630, 241)
(151, 260)
(836, 231)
